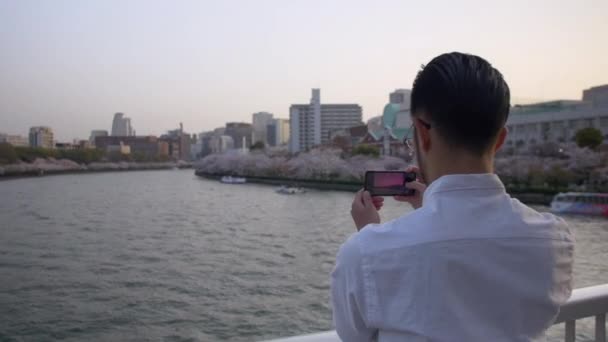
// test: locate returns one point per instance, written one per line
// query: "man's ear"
(424, 136)
(502, 136)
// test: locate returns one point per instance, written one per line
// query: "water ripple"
(148, 256)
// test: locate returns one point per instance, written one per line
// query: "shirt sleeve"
(348, 295)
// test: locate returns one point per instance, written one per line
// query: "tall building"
(241, 134)
(271, 134)
(41, 136)
(260, 122)
(121, 126)
(277, 132)
(97, 133)
(221, 143)
(311, 124)
(558, 121)
(400, 96)
(179, 143)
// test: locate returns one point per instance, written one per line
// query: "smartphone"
(389, 183)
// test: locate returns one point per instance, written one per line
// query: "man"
(470, 263)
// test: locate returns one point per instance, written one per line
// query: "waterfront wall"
(529, 196)
(40, 167)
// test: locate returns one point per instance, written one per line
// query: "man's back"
(471, 265)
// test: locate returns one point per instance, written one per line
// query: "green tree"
(589, 137)
(29, 154)
(366, 150)
(7, 154)
(259, 145)
(558, 177)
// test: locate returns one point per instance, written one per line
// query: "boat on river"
(288, 190)
(580, 203)
(233, 180)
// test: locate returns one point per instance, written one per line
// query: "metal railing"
(584, 302)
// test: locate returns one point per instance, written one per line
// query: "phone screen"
(389, 183)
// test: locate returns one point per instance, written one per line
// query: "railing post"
(570, 331)
(600, 328)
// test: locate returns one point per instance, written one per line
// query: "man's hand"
(365, 209)
(416, 199)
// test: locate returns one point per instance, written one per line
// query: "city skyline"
(204, 63)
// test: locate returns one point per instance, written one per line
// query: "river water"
(167, 256)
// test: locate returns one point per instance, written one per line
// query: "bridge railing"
(584, 302)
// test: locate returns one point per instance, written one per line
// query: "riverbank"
(529, 196)
(44, 167)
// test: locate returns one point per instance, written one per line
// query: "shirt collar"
(459, 182)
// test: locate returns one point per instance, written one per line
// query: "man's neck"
(459, 163)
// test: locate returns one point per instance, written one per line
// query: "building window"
(604, 121)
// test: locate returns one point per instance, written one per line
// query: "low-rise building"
(14, 140)
(558, 121)
(65, 146)
(118, 149)
(221, 143)
(241, 133)
(388, 131)
(97, 133)
(179, 143)
(146, 146)
(347, 138)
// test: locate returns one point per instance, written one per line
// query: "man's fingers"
(367, 199)
(378, 199)
(378, 202)
(358, 200)
(419, 187)
(412, 168)
(403, 198)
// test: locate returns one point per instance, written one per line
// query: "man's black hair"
(464, 98)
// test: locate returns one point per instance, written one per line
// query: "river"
(166, 256)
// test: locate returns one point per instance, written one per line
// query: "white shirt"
(472, 264)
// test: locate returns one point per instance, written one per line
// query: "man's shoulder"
(407, 230)
(543, 223)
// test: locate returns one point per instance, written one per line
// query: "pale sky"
(72, 64)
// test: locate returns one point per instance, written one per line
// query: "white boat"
(233, 180)
(580, 203)
(288, 190)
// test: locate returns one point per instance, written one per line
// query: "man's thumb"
(367, 199)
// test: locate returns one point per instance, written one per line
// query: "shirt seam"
(467, 189)
(370, 303)
(481, 238)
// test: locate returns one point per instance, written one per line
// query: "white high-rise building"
(260, 122)
(121, 126)
(41, 136)
(310, 125)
